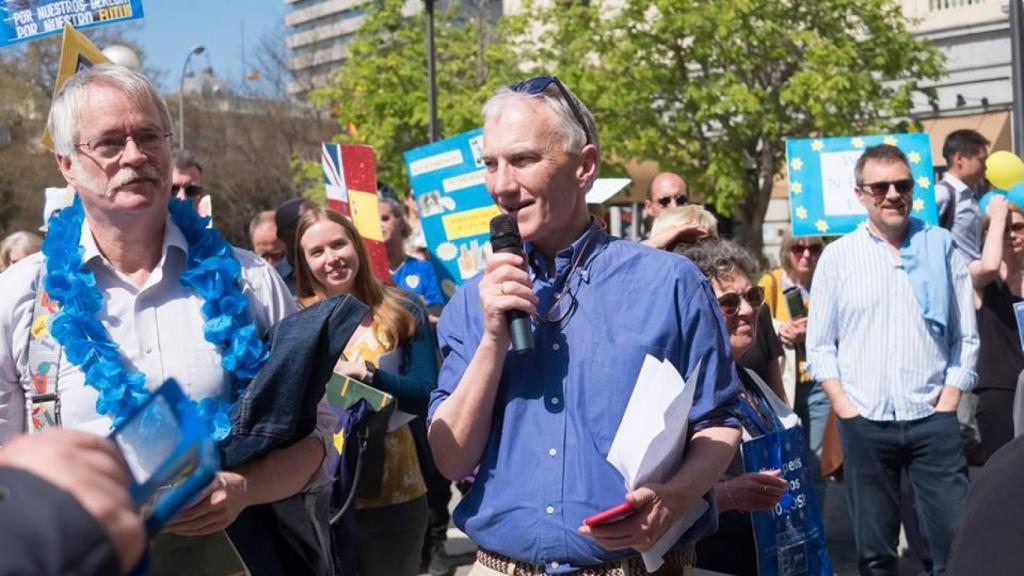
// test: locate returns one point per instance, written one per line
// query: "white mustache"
(129, 174)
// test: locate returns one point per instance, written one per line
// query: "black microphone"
(505, 238)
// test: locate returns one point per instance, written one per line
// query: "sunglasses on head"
(812, 249)
(881, 189)
(730, 301)
(191, 190)
(678, 200)
(540, 83)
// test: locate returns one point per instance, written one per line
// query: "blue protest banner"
(447, 179)
(822, 200)
(22, 20)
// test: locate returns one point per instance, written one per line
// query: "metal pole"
(197, 49)
(431, 75)
(1018, 76)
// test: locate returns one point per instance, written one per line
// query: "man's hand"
(751, 491)
(674, 234)
(91, 469)
(840, 401)
(224, 500)
(657, 509)
(793, 332)
(504, 287)
(949, 399)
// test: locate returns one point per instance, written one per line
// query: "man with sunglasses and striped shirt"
(892, 338)
(537, 427)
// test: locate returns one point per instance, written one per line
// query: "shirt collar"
(173, 238)
(957, 184)
(591, 242)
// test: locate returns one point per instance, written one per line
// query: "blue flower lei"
(212, 273)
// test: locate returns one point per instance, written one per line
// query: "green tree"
(379, 96)
(714, 88)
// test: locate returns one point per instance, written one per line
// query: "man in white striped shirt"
(892, 338)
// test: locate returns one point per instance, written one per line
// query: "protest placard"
(447, 179)
(22, 20)
(350, 177)
(822, 197)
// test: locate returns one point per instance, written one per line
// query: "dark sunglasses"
(540, 83)
(1017, 227)
(678, 200)
(881, 189)
(799, 249)
(730, 301)
(191, 190)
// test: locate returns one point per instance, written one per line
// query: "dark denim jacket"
(279, 407)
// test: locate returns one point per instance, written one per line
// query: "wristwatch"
(371, 373)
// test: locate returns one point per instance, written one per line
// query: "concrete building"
(320, 30)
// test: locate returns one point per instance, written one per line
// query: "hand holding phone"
(795, 302)
(611, 515)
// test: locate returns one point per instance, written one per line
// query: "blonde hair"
(689, 214)
(788, 241)
(17, 246)
(393, 323)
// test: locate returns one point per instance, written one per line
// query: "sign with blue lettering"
(30, 19)
(822, 197)
(447, 180)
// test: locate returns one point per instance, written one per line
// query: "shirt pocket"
(607, 381)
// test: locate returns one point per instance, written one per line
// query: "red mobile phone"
(611, 515)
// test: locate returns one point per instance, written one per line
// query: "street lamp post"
(196, 50)
(431, 73)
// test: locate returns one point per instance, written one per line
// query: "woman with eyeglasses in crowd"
(394, 351)
(999, 284)
(786, 287)
(732, 549)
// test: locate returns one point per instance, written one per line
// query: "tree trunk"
(756, 206)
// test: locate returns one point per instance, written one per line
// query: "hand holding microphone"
(506, 293)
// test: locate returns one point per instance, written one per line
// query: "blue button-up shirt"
(544, 468)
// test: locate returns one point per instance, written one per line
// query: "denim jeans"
(874, 455)
(812, 406)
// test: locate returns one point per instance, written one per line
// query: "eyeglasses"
(1017, 227)
(540, 83)
(191, 190)
(800, 249)
(730, 301)
(881, 189)
(109, 147)
(678, 200)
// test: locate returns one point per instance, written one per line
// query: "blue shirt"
(418, 277)
(867, 330)
(544, 468)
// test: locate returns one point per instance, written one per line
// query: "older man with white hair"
(538, 427)
(132, 289)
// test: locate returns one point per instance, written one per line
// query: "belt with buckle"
(680, 559)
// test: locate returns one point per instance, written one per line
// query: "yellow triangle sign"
(76, 53)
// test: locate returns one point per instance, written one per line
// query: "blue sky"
(172, 27)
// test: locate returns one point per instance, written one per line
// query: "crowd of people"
(131, 288)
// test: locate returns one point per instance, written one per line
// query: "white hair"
(17, 246)
(566, 123)
(67, 105)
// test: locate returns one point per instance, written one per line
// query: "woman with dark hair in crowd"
(732, 549)
(393, 350)
(999, 285)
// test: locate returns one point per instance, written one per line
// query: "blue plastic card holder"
(169, 452)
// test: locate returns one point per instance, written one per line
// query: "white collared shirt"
(867, 330)
(158, 329)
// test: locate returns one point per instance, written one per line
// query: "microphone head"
(505, 233)
(504, 225)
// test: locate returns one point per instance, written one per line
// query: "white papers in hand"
(648, 446)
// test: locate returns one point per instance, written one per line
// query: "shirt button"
(555, 346)
(149, 349)
(550, 509)
(552, 452)
(555, 400)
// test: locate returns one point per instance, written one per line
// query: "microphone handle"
(519, 326)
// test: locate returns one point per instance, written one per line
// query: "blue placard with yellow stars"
(822, 198)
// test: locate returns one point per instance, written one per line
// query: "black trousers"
(995, 418)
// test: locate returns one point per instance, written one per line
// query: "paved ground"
(837, 526)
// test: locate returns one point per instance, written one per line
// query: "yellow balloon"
(1004, 169)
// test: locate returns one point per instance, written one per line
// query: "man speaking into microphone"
(539, 424)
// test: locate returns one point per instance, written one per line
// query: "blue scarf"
(925, 256)
(212, 272)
